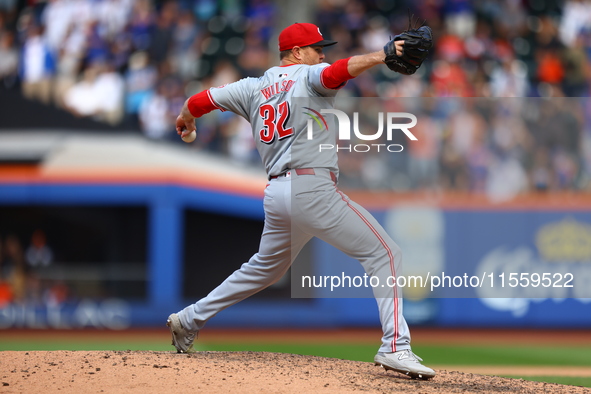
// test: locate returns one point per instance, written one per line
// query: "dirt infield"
(224, 372)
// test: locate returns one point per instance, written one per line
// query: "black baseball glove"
(417, 43)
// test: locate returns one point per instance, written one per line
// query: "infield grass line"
(435, 355)
(568, 380)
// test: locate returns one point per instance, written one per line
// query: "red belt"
(305, 171)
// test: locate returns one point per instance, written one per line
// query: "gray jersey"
(276, 105)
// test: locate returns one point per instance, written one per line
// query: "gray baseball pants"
(297, 208)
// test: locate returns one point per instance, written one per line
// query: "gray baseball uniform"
(301, 200)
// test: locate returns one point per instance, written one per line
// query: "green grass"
(33, 345)
(505, 355)
(436, 355)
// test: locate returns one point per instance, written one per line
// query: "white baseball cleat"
(405, 362)
(182, 339)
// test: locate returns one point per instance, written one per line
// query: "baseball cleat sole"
(406, 363)
(412, 375)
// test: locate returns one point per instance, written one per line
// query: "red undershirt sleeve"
(335, 75)
(201, 103)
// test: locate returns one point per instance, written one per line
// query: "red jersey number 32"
(273, 124)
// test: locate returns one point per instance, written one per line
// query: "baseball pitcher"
(302, 200)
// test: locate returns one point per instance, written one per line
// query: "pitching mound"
(228, 372)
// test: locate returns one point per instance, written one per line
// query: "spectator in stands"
(491, 48)
(155, 117)
(509, 78)
(185, 52)
(3, 267)
(37, 66)
(57, 293)
(38, 253)
(143, 20)
(576, 18)
(506, 178)
(7, 6)
(110, 90)
(241, 147)
(97, 49)
(541, 178)
(140, 80)
(68, 65)
(80, 99)
(449, 77)
(255, 57)
(162, 33)
(454, 171)
(113, 16)
(5, 289)
(99, 94)
(565, 169)
(576, 67)
(460, 18)
(423, 166)
(8, 59)
(6, 295)
(57, 17)
(15, 269)
(550, 68)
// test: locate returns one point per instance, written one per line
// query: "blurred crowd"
(500, 147)
(139, 60)
(21, 280)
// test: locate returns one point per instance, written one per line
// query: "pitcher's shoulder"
(283, 71)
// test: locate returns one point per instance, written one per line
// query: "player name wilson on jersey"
(277, 88)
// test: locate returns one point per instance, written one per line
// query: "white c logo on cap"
(319, 31)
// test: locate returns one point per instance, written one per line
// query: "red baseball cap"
(302, 35)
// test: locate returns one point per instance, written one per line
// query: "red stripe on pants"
(392, 269)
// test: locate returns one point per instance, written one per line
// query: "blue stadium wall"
(469, 235)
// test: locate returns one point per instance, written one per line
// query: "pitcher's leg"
(356, 232)
(396, 335)
(280, 244)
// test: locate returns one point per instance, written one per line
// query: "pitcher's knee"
(389, 255)
(267, 272)
(396, 251)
